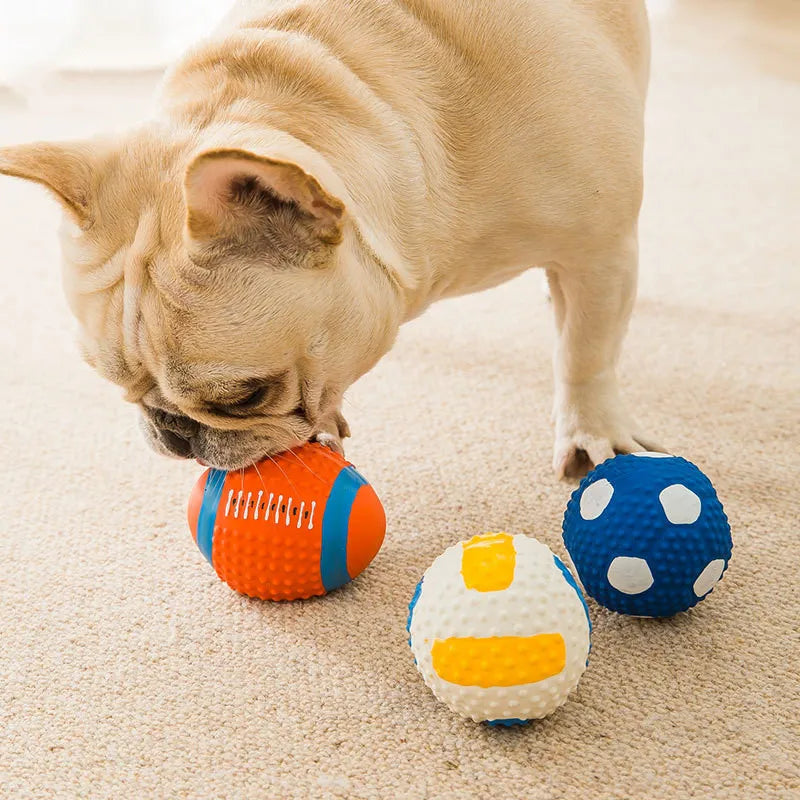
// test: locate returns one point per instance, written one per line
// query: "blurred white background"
(41, 36)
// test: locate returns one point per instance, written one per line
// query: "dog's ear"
(235, 195)
(65, 169)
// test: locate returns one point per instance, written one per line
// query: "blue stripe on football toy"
(208, 511)
(333, 559)
(647, 534)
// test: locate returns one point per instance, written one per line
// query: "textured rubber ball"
(499, 629)
(298, 525)
(647, 534)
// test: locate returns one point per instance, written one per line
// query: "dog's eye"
(238, 408)
(255, 398)
(250, 397)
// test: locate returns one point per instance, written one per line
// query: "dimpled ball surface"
(647, 534)
(289, 528)
(499, 629)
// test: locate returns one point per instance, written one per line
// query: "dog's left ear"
(233, 194)
(65, 169)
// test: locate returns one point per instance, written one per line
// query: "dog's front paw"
(576, 454)
(333, 432)
(590, 429)
(331, 441)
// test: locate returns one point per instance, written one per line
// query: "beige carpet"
(128, 671)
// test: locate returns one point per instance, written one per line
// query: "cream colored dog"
(322, 171)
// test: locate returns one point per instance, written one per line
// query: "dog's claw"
(334, 431)
(330, 441)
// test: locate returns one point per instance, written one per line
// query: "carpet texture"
(127, 670)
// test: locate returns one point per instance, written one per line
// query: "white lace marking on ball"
(595, 498)
(630, 575)
(652, 454)
(258, 504)
(681, 505)
(238, 504)
(228, 505)
(709, 577)
(311, 518)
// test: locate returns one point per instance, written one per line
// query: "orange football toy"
(289, 528)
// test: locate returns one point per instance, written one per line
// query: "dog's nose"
(175, 432)
(176, 444)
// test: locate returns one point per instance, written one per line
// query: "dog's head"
(225, 290)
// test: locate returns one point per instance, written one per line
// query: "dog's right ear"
(235, 193)
(65, 169)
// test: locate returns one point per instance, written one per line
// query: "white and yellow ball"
(499, 629)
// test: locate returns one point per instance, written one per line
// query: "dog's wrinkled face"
(223, 291)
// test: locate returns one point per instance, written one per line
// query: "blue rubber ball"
(647, 534)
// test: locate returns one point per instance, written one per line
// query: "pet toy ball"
(647, 534)
(499, 629)
(289, 528)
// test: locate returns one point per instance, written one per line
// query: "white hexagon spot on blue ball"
(630, 575)
(709, 577)
(681, 505)
(595, 499)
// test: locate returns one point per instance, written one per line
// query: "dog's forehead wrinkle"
(148, 234)
(92, 268)
(108, 359)
(117, 300)
(98, 261)
(136, 277)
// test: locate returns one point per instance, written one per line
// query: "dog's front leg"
(592, 301)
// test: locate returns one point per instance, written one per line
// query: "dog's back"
(495, 97)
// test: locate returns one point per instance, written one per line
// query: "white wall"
(41, 35)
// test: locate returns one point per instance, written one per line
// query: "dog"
(319, 172)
